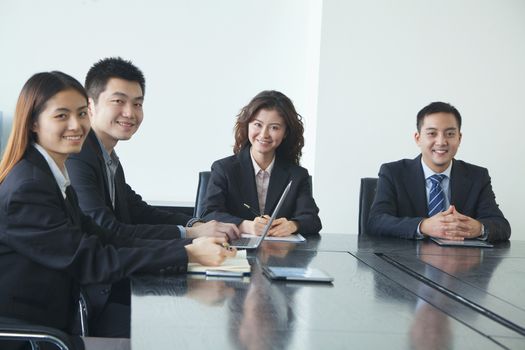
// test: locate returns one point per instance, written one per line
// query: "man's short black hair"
(437, 107)
(111, 67)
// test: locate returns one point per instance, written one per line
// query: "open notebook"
(238, 265)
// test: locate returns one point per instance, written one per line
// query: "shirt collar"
(62, 178)
(429, 172)
(109, 159)
(257, 168)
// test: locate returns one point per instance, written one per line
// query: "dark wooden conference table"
(387, 293)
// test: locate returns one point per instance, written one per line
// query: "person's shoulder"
(226, 161)
(21, 172)
(296, 169)
(400, 165)
(25, 173)
(470, 168)
(89, 149)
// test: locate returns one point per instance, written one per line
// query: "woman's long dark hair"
(32, 100)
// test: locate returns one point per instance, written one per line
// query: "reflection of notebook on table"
(463, 243)
(255, 242)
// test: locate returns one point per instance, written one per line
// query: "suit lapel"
(278, 181)
(71, 206)
(95, 145)
(38, 160)
(246, 175)
(121, 210)
(414, 184)
(459, 186)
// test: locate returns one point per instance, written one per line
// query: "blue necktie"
(436, 197)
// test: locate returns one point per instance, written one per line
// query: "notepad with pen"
(236, 266)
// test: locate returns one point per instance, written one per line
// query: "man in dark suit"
(434, 194)
(116, 92)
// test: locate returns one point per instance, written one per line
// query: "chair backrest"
(367, 194)
(204, 178)
(16, 330)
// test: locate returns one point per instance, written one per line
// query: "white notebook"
(238, 264)
(295, 238)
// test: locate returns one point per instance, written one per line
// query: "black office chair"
(367, 194)
(204, 178)
(12, 329)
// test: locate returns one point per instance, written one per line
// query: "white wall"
(203, 60)
(382, 61)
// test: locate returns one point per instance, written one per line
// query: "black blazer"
(232, 183)
(132, 216)
(401, 202)
(48, 248)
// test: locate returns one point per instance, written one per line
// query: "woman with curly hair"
(245, 188)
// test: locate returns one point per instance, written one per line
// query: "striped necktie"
(436, 197)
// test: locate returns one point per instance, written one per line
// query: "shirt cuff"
(484, 233)
(182, 230)
(192, 221)
(419, 235)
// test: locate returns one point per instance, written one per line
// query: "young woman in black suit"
(48, 248)
(244, 188)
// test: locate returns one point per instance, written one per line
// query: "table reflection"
(431, 328)
(380, 299)
(261, 317)
(265, 319)
(210, 292)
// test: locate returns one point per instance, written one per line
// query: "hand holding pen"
(251, 210)
(209, 251)
(255, 226)
(257, 215)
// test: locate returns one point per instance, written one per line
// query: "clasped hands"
(452, 225)
(280, 227)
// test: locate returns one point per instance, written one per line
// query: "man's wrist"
(193, 221)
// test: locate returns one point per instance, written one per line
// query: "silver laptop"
(255, 242)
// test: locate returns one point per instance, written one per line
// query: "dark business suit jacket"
(131, 216)
(232, 183)
(48, 248)
(401, 202)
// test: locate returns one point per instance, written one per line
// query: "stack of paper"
(238, 264)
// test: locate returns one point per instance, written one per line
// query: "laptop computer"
(255, 242)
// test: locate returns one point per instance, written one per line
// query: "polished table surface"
(387, 293)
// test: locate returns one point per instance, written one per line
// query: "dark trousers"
(115, 319)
